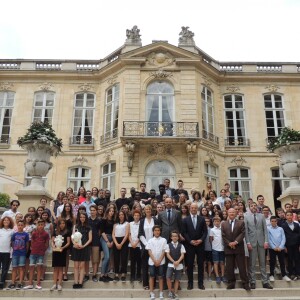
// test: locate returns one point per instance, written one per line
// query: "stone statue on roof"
(186, 36)
(133, 35)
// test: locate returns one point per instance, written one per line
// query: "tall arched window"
(79, 176)
(240, 182)
(211, 174)
(108, 178)
(160, 109)
(6, 108)
(207, 112)
(43, 106)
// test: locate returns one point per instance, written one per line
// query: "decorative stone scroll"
(108, 154)
(130, 148)
(46, 86)
(191, 150)
(6, 86)
(112, 80)
(238, 160)
(80, 160)
(232, 88)
(186, 37)
(207, 81)
(160, 59)
(160, 74)
(85, 87)
(211, 155)
(272, 88)
(160, 149)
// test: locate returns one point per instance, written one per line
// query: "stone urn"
(38, 162)
(290, 165)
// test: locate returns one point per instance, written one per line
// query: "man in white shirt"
(14, 204)
(220, 200)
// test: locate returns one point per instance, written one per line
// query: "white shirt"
(220, 201)
(5, 238)
(182, 250)
(134, 232)
(157, 247)
(148, 231)
(120, 229)
(10, 213)
(59, 210)
(217, 243)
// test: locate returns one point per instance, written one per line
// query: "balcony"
(110, 136)
(161, 129)
(237, 143)
(86, 142)
(4, 141)
(207, 136)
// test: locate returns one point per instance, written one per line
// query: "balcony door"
(160, 109)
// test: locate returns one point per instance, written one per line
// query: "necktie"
(195, 221)
(169, 215)
(255, 221)
(231, 225)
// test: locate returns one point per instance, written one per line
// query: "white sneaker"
(38, 287)
(28, 287)
(59, 287)
(53, 287)
(161, 295)
(271, 278)
(286, 278)
(152, 296)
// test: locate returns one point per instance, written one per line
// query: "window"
(239, 180)
(160, 109)
(211, 174)
(279, 183)
(111, 113)
(43, 107)
(207, 112)
(274, 112)
(83, 119)
(109, 178)
(6, 108)
(235, 123)
(78, 177)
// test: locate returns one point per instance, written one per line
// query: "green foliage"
(4, 200)
(41, 132)
(286, 136)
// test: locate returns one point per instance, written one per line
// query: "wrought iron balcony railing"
(237, 142)
(210, 137)
(108, 136)
(165, 129)
(4, 139)
(81, 141)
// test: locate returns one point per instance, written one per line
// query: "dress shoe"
(230, 286)
(246, 287)
(252, 286)
(201, 287)
(267, 286)
(190, 286)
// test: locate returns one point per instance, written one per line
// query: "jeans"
(4, 264)
(280, 256)
(106, 253)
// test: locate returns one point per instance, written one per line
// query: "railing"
(108, 136)
(79, 141)
(48, 66)
(269, 68)
(9, 65)
(231, 68)
(237, 142)
(4, 139)
(210, 137)
(87, 67)
(165, 129)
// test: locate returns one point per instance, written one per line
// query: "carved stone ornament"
(232, 88)
(80, 160)
(160, 74)
(159, 149)
(112, 80)
(6, 86)
(207, 81)
(46, 86)
(272, 88)
(130, 148)
(133, 36)
(186, 37)
(160, 59)
(211, 155)
(85, 87)
(238, 160)
(191, 150)
(108, 154)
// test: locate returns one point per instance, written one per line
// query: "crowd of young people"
(161, 233)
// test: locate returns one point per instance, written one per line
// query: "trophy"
(58, 241)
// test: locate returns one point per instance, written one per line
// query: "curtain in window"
(88, 126)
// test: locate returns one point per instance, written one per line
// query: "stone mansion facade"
(145, 113)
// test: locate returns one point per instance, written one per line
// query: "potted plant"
(41, 143)
(4, 202)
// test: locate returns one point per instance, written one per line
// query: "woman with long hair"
(54, 204)
(95, 194)
(81, 195)
(81, 252)
(100, 211)
(207, 190)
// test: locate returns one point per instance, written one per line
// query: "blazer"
(292, 236)
(166, 226)
(229, 236)
(190, 233)
(256, 234)
(142, 231)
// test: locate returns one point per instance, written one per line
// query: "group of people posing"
(161, 233)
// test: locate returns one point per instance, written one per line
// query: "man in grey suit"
(256, 235)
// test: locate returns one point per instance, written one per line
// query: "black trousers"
(280, 256)
(4, 265)
(120, 257)
(191, 253)
(135, 262)
(145, 267)
(293, 260)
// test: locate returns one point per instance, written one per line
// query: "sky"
(227, 30)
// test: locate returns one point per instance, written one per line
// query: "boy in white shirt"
(175, 254)
(156, 248)
(217, 249)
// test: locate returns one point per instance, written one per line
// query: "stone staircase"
(91, 289)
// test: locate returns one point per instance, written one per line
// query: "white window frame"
(43, 108)
(284, 181)
(3, 109)
(79, 180)
(110, 130)
(111, 178)
(83, 139)
(210, 176)
(274, 110)
(236, 139)
(239, 179)
(205, 111)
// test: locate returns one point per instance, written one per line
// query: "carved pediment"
(160, 59)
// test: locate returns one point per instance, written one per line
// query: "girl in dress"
(59, 259)
(120, 237)
(81, 253)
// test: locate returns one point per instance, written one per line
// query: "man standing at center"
(194, 231)
(256, 235)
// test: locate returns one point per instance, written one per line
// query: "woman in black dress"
(81, 252)
(59, 258)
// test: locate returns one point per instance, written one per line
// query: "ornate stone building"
(144, 113)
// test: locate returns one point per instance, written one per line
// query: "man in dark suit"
(194, 231)
(169, 191)
(233, 233)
